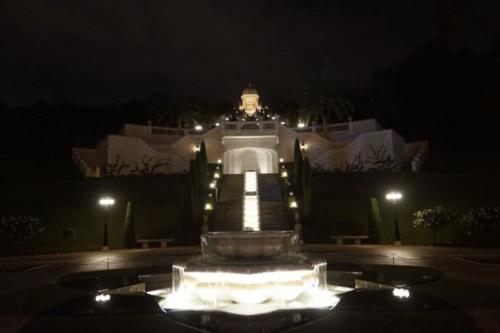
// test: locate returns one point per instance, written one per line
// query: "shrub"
(481, 225)
(433, 218)
(68, 233)
(19, 228)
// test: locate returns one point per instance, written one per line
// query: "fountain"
(250, 273)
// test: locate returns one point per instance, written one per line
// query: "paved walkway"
(476, 272)
(468, 264)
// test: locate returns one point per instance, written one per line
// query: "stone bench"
(340, 239)
(145, 243)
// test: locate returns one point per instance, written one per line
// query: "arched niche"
(237, 160)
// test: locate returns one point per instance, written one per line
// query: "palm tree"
(179, 111)
(320, 101)
(286, 108)
(213, 110)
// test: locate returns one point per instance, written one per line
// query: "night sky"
(102, 51)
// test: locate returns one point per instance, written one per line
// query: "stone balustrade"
(260, 127)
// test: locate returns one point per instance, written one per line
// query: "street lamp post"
(395, 197)
(294, 207)
(213, 186)
(106, 202)
(208, 209)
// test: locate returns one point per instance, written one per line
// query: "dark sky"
(93, 51)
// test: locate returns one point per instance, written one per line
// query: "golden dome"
(249, 91)
(250, 101)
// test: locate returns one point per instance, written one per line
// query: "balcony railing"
(258, 127)
(329, 128)
(267, 127)
(167, 131)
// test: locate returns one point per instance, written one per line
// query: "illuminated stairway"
(274, 214)
(265, 210)
(228, 211)
(251, 211)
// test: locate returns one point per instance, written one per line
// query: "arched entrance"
(237, 160)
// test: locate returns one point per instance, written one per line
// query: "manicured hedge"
(74, 221)
(342, 203)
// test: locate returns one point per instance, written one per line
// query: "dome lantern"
(250, 102)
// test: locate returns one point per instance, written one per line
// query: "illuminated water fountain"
(250, 273)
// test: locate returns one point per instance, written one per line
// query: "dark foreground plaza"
(32, 299)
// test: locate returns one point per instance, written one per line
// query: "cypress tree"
(374, 221)
(297, 169)
(190, 229)
(194, 189)
(306, 190)
(204, 159)
(198, 171)
(129, 228)
(198, 185)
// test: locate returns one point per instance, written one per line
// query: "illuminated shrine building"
(254, 138)
(250, 103)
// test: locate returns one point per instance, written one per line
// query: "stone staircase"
(228, 211)
(274, 214)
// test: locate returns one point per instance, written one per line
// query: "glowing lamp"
(198, 127)
(208, 206)
(102, 298)
(106, 202)
(394, 196)
(219, 161)
(217, 124)
(293, 204)
(212, 184)
(284, 174)
(401, 292)
(282, 123)
(282, 160)
(301, 125)
(216, 175)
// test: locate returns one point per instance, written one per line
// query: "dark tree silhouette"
(149, 165)
(379, 160)
(321, 100)
(179, 111)
(116, 168)
(351, 167)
